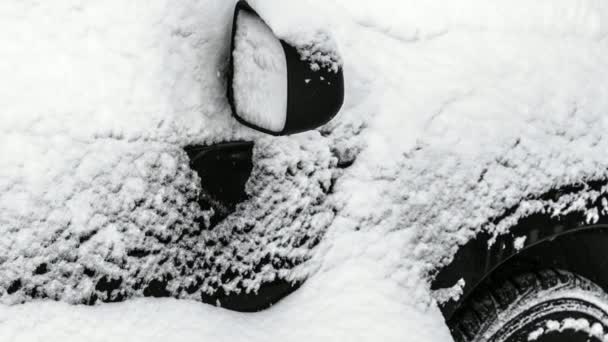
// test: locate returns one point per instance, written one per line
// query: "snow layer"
(96, 197)
(330, 307)
(304, 25)
(260, 74)
(454, 113)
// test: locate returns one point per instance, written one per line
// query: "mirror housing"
(309, 97)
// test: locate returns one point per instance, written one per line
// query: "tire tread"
(490, 299)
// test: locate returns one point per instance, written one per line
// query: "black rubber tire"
(549, 305)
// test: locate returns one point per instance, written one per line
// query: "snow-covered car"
(149, 149)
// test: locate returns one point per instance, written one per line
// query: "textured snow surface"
(260, 74)
(454, 113)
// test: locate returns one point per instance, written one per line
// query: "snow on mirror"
(277, 87)
(259, 81)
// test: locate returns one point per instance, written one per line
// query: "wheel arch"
(565, 241)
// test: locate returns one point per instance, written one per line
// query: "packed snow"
(454, 112)
(450, 293)
(519, 242)
(582, 325)
(260, 74)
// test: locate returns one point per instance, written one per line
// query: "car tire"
(544, 306)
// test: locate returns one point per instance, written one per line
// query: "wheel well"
(566, 242)
(582, 251)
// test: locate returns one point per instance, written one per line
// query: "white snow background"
(455, 111)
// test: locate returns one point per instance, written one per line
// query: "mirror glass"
(259, 81)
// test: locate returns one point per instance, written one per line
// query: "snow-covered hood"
(454, 112)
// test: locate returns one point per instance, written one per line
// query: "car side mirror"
(271, 88)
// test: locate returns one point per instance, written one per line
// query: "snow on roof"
(452, 115)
